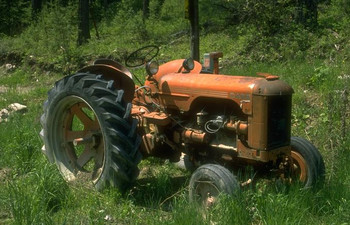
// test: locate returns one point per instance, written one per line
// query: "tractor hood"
(179, 90)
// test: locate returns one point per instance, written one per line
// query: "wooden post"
(194, 21)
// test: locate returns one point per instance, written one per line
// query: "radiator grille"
(279, 121)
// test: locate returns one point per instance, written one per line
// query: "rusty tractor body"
(219, 123)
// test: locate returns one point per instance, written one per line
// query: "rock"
(108, 218)
(4, 113)
(9, 67)
(4, 174)
(16, 107)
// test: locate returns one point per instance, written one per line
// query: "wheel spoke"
(85, 119)
(86, 156)
(99, 155)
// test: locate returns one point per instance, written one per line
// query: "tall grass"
(33, 192)
(32, 199)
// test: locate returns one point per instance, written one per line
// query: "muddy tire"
(209, 181)
(87, 131)
(307, 163)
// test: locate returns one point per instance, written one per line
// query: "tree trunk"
(84, 28)
(145, 9)
(64, 3)
(307, 12)
(311, 12)
(36, 7)
(105, 4)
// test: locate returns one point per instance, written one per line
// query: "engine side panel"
(179, 90)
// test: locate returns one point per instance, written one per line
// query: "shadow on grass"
(159, 191)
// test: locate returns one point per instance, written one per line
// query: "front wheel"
(209, 181)
(306, 162)
(88, 132)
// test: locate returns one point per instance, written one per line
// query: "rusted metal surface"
(271, 86)
(216, 56)
(260, 155)
(196, 136)
(175, 89)
(179, 90)
(114, 64)
(238, 126)
(299, 166)
(175, 66)
(158, 118)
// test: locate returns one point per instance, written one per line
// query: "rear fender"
(122, 77)
(114, 64)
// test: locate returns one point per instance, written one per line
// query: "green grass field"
(33, 192)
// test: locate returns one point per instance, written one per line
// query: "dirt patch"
(82, 180)
(3, 89)
(4, 174)
(20, 90)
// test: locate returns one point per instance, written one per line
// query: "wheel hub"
(207, 193)
(83, 138)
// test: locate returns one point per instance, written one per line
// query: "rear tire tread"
(121, 140)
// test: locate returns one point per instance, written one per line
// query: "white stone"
(9, 66)
(14, 107)
(4, 113)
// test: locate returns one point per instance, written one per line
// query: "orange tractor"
(97, 124)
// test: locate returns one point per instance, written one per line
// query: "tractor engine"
(211, 116)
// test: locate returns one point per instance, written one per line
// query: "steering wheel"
(142, 56)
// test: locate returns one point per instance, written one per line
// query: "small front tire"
(307, 163)
(209, 181)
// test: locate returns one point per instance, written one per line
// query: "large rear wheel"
(88, 132)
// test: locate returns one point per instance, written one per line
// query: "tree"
(14, 16)
(84, 28)
(36, 7)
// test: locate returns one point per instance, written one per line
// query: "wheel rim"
(206, 193)
(299, 167)
(79, 140)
